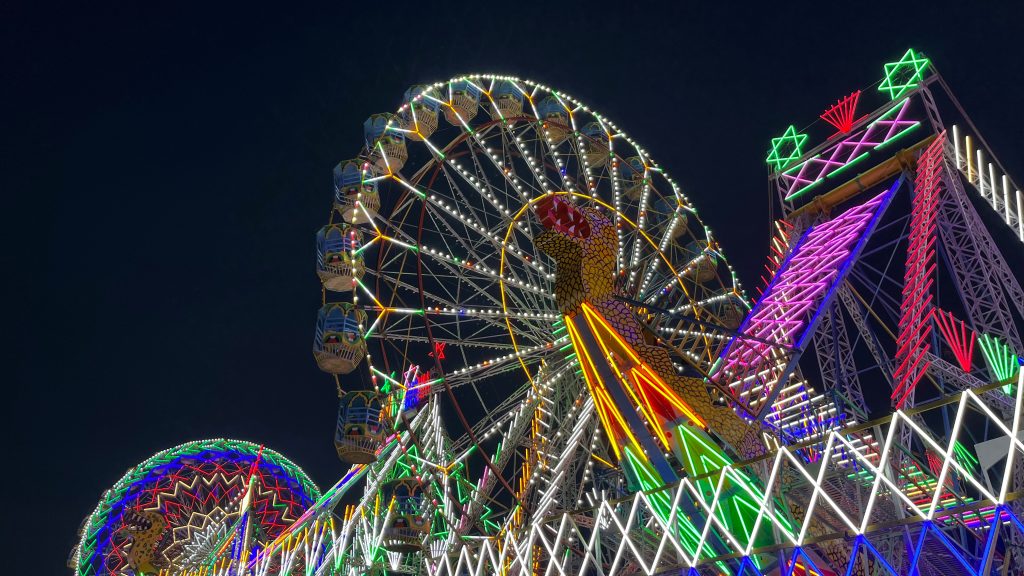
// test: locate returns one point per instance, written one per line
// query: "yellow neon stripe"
(618, 417)
(602, 394)
(645, 404)
(598, 400)
(652, 377)
(595, 316)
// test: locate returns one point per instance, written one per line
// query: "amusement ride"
(545, 363)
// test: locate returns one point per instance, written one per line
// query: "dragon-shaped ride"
(583, 243)
(146, 528)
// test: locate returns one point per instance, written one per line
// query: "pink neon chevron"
(753, 367)
(916, 309)
(838, 155)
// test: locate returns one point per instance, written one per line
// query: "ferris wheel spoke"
(665, 246)
(505, 363)
(504, 413)
(635, 239)
(642, 238)
(547, 147)
(518, 195)
(535, 270)
(469, 310)
(453, 267)
(482, 283)
(404, 336)
(515, 163)
(472, 331)
(470, 318)
(534, 168)
(444, 215)
(478, 217)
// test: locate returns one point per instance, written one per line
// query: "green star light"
(786, 148)
(903, 76)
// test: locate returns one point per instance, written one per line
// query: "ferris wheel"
(178, 511)
(434, 288)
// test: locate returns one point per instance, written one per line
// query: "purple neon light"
(847, 151)
(810, 272)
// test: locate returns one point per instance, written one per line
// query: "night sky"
(165, 171)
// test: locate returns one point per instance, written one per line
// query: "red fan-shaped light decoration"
(958, 337)
(841, 114)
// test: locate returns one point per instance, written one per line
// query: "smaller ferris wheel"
(179, 511)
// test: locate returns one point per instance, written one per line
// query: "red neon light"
(958, 337)
(777, 249)
(842, 112)
(916, 308)
(438, 350)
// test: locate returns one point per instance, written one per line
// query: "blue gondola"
(701, 262)
(420, 115)
(508, 100)
(554, 118)
(360, 431)
(410, 520)
(595, 144)
(386, 141)
(338, 345)
(633, 173)
(464, 102)
(337, 263)
(729, 308)
(355, 191)
(663, 212)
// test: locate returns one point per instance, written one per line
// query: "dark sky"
(165, 170)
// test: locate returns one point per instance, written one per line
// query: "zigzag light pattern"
(196, 486)
(627, 536)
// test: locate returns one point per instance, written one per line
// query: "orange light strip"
(647, 405)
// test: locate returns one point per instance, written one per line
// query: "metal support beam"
(835, 357)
